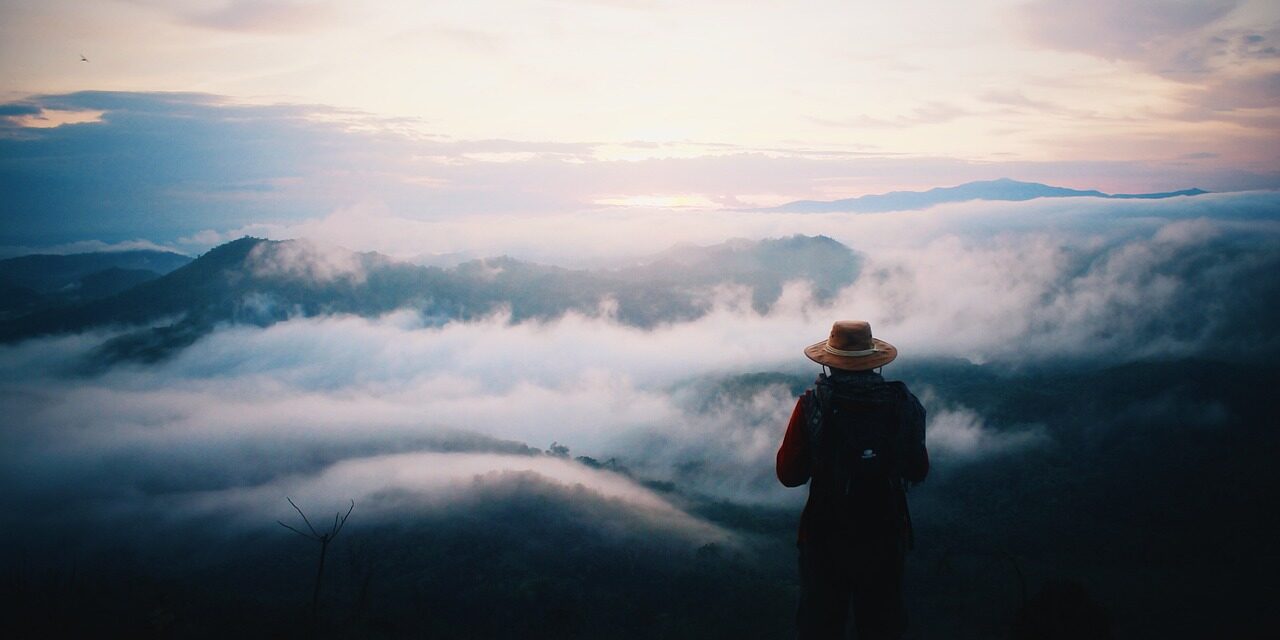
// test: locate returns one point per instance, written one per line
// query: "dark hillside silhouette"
(48, 273)
(260, 282)
(32, 283)
(1116, 506)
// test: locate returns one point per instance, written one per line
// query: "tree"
(339, 520)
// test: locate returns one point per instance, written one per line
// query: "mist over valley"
(591, 447)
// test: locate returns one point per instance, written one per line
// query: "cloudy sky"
(193, 117)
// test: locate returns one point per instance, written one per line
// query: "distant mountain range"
(38, 281)
(1002, 189)
(260, 282)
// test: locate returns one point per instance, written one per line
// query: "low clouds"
(397, 487)
(1159, 296)
(1066, 353)
(958, 434)
(1017, 285)
(611, 237)
(303, 260)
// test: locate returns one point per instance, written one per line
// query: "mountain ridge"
(259, 282)
(44, 272)
(1002, 189)
(37, 281)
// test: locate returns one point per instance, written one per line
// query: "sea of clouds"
(337, 408)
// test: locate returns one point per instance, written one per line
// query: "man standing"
(859, 442)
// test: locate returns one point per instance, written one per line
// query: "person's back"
(858, 440)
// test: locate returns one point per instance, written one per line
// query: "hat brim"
(884, 354)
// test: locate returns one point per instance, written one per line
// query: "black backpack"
(857, 429)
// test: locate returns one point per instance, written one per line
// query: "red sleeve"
(793, 456)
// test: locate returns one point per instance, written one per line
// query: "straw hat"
(851, 347)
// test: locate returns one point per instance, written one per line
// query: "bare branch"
(304, 517)
(339, 520)
(343, 522)
(293, 530)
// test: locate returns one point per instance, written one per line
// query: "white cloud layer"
(593, 237)
(377, 405)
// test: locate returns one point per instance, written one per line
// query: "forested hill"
(256, 281)
(39, 281)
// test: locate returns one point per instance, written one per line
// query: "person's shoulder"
(905, 391)
(899, 385)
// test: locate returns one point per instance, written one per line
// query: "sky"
(190, 117)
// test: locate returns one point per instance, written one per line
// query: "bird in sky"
(83, 59)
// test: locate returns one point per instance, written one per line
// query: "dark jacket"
(795, 461)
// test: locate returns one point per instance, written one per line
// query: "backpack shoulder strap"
(816, 401)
